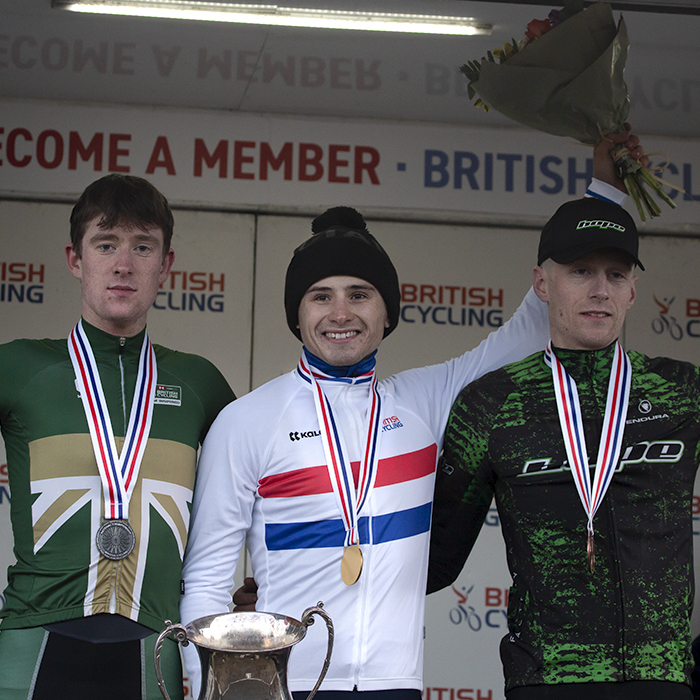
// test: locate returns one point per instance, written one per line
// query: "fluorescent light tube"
(280, 16)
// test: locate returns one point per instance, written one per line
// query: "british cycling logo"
(451, 305)
(22, 282)
(464, 612)
(665, 322)
(191, 291)
(4, 486)
(673, 323)
(391, 423)
(493, 613)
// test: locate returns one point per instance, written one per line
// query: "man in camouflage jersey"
(600, 555)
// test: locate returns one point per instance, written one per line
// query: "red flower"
(537, 28)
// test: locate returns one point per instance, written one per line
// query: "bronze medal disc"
(351, 565)
(590, 552)
(115, 539)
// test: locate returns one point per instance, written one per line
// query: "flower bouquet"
(566, 78)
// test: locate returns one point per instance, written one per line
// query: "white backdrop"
(225, 298)
(470, 617)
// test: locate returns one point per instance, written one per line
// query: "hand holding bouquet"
(566, 79)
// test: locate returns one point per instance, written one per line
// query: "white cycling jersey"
(262, 476)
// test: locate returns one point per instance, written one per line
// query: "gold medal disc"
(351, 565)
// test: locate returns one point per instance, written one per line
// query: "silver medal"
(115, 539)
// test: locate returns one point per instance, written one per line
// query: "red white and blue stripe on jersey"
(379, 528)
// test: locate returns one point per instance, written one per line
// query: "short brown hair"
(121, 200)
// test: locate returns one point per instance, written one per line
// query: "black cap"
(341, 245)
(584, 225)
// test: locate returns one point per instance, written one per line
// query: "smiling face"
(342, 320)
(120, 270)
(588, 299)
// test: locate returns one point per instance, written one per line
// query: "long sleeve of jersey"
(463, 487)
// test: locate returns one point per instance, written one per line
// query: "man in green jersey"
(591, 454)
(101, 432)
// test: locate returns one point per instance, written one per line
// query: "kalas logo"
(295, 435)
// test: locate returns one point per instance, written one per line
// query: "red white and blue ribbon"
(350, 500)
(571, 422)
(118, 471)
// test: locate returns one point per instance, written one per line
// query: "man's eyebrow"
(146, 236)
(323, 288)
(111, 236)
(103, 236)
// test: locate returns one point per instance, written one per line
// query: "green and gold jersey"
(628, 619)
(56, 491)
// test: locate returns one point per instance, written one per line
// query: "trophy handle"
(307, 619)
(180, 635)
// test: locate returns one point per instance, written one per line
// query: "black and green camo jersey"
(629, 619)
(56, 492)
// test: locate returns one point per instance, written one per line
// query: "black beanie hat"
(340, 245)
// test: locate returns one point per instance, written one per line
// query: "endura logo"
(658, 452)
(599, 223)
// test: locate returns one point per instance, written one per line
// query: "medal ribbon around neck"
(118, 471)
(571, 422)
(350, 500)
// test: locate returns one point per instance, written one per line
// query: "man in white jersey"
(354, 535)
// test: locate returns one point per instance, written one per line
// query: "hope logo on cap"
(600, 224)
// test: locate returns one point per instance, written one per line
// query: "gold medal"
(590, 552)
(351, 564)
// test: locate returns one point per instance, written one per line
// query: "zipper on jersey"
(122, 343)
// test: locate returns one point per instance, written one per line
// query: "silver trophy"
(244, 655)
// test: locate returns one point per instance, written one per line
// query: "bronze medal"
(115, 539)
(351, 564)
(590, 552)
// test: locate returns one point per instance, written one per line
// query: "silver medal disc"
(115, 539)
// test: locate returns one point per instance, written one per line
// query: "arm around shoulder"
(463, 489)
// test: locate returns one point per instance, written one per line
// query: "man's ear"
(74, 262)
(168, 261)
(633, 294)
(539, 283)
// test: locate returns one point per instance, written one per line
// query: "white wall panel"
(458, 283)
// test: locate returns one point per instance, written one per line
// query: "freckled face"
(342, 319)
(120, 270)
(588, 299)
